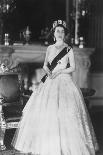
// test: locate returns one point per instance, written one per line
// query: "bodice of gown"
(62, 64)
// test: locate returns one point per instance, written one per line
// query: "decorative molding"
(36, 53)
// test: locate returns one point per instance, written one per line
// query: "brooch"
(59, 62)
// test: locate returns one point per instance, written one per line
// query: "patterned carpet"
(13, 152)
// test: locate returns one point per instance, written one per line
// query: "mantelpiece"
(13, 55)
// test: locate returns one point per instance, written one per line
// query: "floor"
(96, 114)
(97, 120)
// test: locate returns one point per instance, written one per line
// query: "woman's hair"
(57, 23)
(60, 25)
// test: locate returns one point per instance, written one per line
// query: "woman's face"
(59, 33)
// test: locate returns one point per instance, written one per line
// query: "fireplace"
(34, 55)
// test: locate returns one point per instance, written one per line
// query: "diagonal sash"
(55, 61)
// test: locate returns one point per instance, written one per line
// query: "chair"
(11, 103)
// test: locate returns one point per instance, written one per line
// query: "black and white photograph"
(51, 77)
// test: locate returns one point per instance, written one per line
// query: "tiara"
(61, 22)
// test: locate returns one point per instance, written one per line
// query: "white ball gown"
(55, 120)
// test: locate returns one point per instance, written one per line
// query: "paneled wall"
(95, 35)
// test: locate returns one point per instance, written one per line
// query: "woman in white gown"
(55, 120)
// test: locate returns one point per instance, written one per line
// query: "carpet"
(12, 152)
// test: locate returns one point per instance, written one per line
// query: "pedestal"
(83, 63)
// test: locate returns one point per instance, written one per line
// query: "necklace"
(59, 46)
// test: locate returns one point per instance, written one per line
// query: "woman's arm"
(45, 66)
(72, 63)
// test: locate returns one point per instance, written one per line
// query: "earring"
(64, 39)
(54, 39)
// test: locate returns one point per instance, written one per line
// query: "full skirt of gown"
(55, 121)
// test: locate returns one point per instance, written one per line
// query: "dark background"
(37, 14)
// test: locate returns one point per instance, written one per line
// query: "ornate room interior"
(24, 37)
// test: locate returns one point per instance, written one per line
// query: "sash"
(55, 61)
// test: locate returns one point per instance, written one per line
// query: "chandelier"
(7, 6)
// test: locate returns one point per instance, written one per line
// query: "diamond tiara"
(57, 22)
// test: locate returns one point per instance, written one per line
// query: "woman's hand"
(54, 75)
(47, 71)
